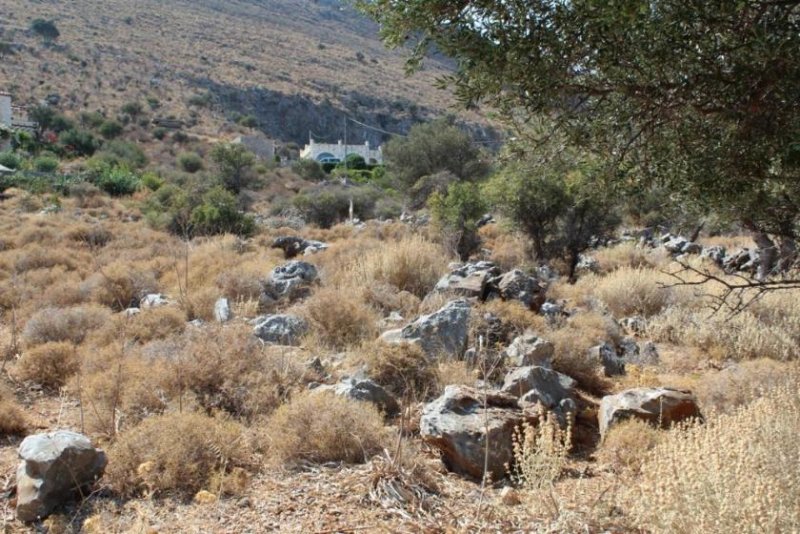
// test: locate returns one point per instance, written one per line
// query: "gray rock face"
(469, 280)
(462, 420)
(538, 385)
(54, 466)
(716, 254)
(633, 353)
(222, 311)
(745, 260)
(279, 329)
(530, 349)
(663, 406)
(634, 325)
(290, 281)
(516, 285)
(606, 355)
(692, 248)
(442, 332)
(587, 264)
(364, 389)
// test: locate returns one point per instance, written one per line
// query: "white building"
(330, 153)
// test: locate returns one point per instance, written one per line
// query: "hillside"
(296, 65)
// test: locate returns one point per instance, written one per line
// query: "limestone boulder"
(658, 406)
(291, 281)
(443, 332)
(363, 389)
(463, 421)
(55, 466)
(606, 355)
(222, 311)
(469, 280)
(279, 329)
(534, 385)
(516, 285)
(294, 246)
(530, 349)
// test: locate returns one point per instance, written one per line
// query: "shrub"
(190, 162)
(46, 163)
(456, 214)
(12, 419)
(626, 445)
(323, 427)
(730, 474)
(404, 370)
(326, 205)
(49, 365)
(340, 317)
(110, 129)
(152, 181)
(120, 285)
(159, 133)
(540, 453)
(118, 181)
(628, 291)
(308, 169)
(142, 328)
(91, 119)
(235, 165)
(176, 454)
(218, 214)
(63, 324)
(133, 109)
(45, 28)
(248, 121)
(10, 160)
(119, 153)
(78, 142)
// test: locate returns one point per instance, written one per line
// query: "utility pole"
(345, 143)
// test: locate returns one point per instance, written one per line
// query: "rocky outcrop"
(606, 355)
(466, 423)
(535, 385)
(469, 280)
(279, 329)
(294, 246)
(363, 389)
(658, 406)
(443, 332)
(290, 281)
(530, 349)
(516, 285)
(55, 466)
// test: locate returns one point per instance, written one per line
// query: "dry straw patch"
(735, 473)
(634, 291)
(177, 454)
(323, 427)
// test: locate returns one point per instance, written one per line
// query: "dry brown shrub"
(146, 326)
(92, 236)
(227, 368)
(49, 364)
(628, 291)
(510, 250)
(177, 454)
(38, 257)
(412, 264)
(12, 418)
(241, 283)
(627, 254)
(403, 369)
(199, 304)
(38, 234)
(388, 299)
(741, 383)
(121, 284)
(323, 427)
(572, 342)
(626, 445)
(64, 324)
(516, 316)
(735, 473)
(340, 318)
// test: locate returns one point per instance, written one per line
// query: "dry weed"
(50, 364)
(340, 318)
(634, 291)
(64, 324)
(625, 446)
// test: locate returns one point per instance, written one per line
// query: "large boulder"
(54, 467)
(442, 332)
(290, 281)
(658, 406)
(280, 329)
(463, 421)
(530, 349)
(516, 285)
(469, 280)
(534, 385)
(363, 389)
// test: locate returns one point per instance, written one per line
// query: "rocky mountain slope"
(297, 66)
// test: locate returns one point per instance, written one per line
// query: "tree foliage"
(235, 164)
(699, 96)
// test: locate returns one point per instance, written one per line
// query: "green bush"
(190, 162)
(456, 214)
(110, 129)
(159, 133)
(46, 163)
(310, 170)
(235, 165)
(218, 214)
(118, 181)
(45, 28)
(10, 160)
(132, 109)
(78, 142)
(152, 181)
(328, 205)
(248, 121)
(122, 153)
(91, 119)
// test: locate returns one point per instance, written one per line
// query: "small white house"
(330, 153)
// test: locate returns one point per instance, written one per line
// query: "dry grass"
(540, 453)
(324, 427)
(340, 317)
(404, 370)
(737, 385)
(572, 342)
(63, 324)
(13, 421)
(49, 364)
(735, 473)
(626, 445)
(628, 255)
(633, 291)
(177, 454)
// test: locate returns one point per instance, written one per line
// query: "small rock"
(54, 466)
(663, 406)
(442, 332)
(606, 355)
(222, 311)
(280, 329)
(154, 300)
(364, 389)
(290, 281)
(634, 325)
(516, 285)
(538, 385)
(529, 349)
